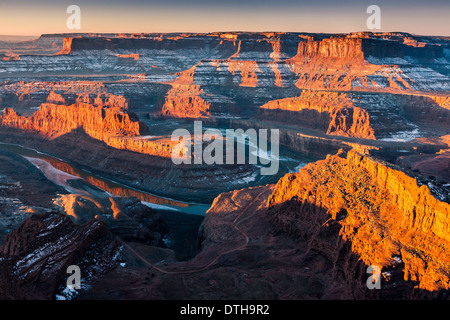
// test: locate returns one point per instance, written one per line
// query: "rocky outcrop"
(55, 98)
(357, 61)
(332, 48)
(247, 70)
(352, 45)
(186, 106)
(330, 112)
(35, 257)
(387, 217)
(67, 47)
(100, 123)
(312, 236)
(125, 217)
(368, 61)
(424, 109)
(102, 118)
(331, 64)
(185, 101)
(364, 47)
(150, 42)
(442, 101)
(434, 166)
(384, 116)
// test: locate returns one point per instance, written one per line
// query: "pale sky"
(27, 17)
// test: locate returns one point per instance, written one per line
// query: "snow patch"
(158, 206)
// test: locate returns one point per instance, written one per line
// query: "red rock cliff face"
(103, 117)
(67, 46)
(185, 101)
(442, 101)
(354, 46)
(331, 112)
(340, 63)
(332, 48)
(97, 120)
(331, 64)
(387, 217)
(55, 98)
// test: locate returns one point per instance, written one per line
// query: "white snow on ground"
(250, 178)
(144, 137)
(438, 192)
(39, 253)
(55, 175)
(69, 293)
(253, 146)
(244, 179)
(158, 206)
(403, 136)
(397, 259)
(297, 168)
(66, 294)
(386, 61)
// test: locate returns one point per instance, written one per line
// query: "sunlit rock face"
(323, 91)
(101, 115)
(230, 75)
(331, 112)
(388, 217)
(109, 102)
(104, 117)
(342, 214)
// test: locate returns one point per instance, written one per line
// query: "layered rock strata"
(35, 257)
(388, 218)
(330, 112)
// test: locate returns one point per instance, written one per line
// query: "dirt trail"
(213, 261)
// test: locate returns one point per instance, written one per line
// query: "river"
(78, 180)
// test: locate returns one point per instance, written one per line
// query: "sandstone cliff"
(332, 48)
(442, 101)
(330, 112)
(185, 101)
(67, 46)
(362, 47)
(356, 62)
(103, 117)
(387, 217)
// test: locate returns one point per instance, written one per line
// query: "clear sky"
(27, 17)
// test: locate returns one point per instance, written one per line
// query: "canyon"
(364, 176)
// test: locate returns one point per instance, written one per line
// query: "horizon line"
(221, 31)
